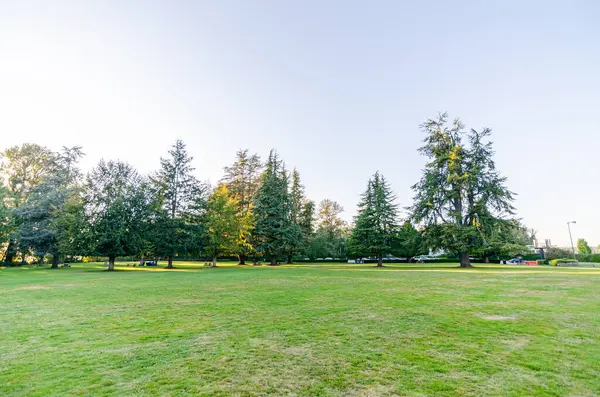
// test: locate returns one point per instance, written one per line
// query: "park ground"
(305, 330)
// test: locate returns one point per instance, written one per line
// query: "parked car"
(425, 258)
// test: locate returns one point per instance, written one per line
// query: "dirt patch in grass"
(516, 343)
(298, 351)
(204, 340)
(372, 391)
(495, 317)
(32, 287)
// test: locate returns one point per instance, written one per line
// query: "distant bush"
(542, 262)
(592, 258)
(556, 262)
(557, 253)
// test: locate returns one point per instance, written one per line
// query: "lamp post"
(571, 237)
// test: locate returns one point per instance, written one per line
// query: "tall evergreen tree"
(242, 179)
(297, 199)
(376, 225)
(306, 221)
(501, 238)
(272, 207)
(460, 190)
(410, 242)
(180, 199)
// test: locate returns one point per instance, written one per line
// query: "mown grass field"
(307, 330)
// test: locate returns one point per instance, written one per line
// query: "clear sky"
(338, 87)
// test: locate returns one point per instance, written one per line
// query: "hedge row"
(592, 258)
(556, 262)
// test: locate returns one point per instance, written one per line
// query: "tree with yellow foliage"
(227, 228)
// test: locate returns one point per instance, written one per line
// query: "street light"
(571, 237)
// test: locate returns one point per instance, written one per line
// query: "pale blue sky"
(338, 87)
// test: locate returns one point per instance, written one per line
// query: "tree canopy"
(272, 208)
(179, 200)
(376, 225)
(461, 193)
(226, 226)
(242, 179)
(45, 213)
(583, 247)
(49, 209)
(117, 209)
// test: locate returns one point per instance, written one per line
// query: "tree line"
(258, 210)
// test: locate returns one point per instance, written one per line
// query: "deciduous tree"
(558, 253)
(6, 217)
(22, 168)
(329, 239)
(226, 226)
(117, 209)
(43, 212)
(583, 247)
(243, 180)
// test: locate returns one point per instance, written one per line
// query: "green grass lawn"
(307, 330)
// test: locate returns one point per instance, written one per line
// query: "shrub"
(542, 262)
(556, 262)
(592, 258)
(557, 253)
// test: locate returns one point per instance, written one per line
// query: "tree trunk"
(464, 260)
(170, 262)
(409, 259)
(54, 261)
(111, 263)
(273, 260)
(41, 261)
(380, 261)
(487, 259)
(9, 257)
(241, 259)
(214, 261)
(290, 259)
